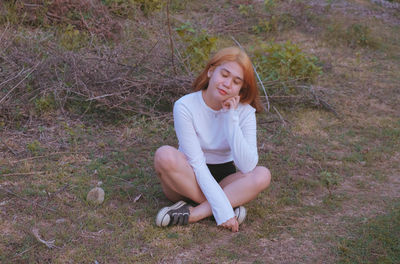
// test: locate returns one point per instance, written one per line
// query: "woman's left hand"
(231, 103)
(231, 224)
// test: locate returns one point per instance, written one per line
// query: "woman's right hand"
(231, 102)
(231, 224)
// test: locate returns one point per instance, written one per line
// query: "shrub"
(269, 5)
(73, 39)
(17, 12)
(44, 104)
(246, 10)
(83, 15)
(199, 45)
(285, 62)
(359, 35)
(34, 147)
(149, 6)
(121, 8)
(329, 180)
(355, 35)
(126, 8)
(266, 26)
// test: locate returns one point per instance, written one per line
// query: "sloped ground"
(330, 174)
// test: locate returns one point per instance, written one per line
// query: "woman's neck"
(213, 104)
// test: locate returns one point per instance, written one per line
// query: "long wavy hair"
(249, 91)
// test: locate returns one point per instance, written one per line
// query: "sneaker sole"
(162, 218)
(240, 213)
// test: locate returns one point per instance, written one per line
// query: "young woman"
(216, 130)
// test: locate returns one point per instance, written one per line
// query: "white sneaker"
(240, 213)
(176, 214)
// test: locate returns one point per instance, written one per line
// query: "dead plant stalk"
(26, 76)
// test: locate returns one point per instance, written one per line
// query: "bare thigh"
(176, 175)
(238, 175)
(231, 178)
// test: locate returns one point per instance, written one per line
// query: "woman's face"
(226, 80)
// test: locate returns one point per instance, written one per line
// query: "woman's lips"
(222, 92)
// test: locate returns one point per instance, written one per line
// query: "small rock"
(96, 195)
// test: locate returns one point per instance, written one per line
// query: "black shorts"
(220, 171)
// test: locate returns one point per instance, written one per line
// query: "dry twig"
(26, 200)
(46, 156)
(170, 37)
(15, 77)
(320, 101)
(12, 89)
(280, 116)
(5, 30)
(8, 147)
(23, 173)
(49, 243)
(258, 77)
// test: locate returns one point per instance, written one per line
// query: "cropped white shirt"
(207, 136)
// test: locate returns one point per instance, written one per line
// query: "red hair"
(249, 91)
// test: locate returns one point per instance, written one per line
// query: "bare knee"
(262, 177)
(165, 158)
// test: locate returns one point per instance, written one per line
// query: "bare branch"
(258, 77)
(8, 147)
(5, 30)
(12, 89)
(106, 95)
(26, 200)
(319, 100)
(23, 173)
(49, 243)
(170, 37)
(15, 77)
(280, 116)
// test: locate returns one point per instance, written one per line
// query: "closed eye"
(238, 81)
(224, 73)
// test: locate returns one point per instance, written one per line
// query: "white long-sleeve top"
(209, 136)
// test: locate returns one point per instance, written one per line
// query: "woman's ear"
(209, 73)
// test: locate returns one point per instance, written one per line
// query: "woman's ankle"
(192, 215)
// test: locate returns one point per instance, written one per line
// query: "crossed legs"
(179, 182)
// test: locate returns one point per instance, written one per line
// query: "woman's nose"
(228, 82)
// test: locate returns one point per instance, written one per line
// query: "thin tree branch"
(12, 89)
(320, 101)
(16, 76)
(280, 116)
(23, 173)
(106, 95)
(8, 147)
(46, 156)
(258, 77)
(170, 37)
(8, 24)
(26, 200)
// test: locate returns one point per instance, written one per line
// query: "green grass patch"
(353, 35)
(228, 254)
(376, 241)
